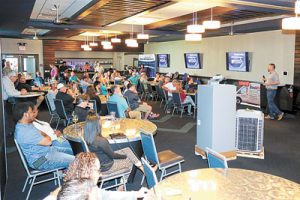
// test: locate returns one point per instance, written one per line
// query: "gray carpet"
(281, 141)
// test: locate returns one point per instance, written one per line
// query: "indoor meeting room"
(150, 99)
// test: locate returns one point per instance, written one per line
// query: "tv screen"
(192, 60)
(237, 61)
(163, 60)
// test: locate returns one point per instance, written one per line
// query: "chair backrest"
(118, 82)
(149, 147)
(113, 107)
(24, 162)
(150, 174)
(60, 109)
(215, 159)
(94, 104)
(158, 90)
(165, 93)
(51, 111)
(149, 87)
(78, 145)
(176, 98)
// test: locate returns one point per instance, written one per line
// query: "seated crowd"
(45, 148)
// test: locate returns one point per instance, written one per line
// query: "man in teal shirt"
(134, 79)
(122, 104)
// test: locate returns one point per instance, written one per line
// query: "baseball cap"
(60, 85)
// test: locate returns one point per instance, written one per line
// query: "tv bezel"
(168, 60)
(247, 58)
(199, 61)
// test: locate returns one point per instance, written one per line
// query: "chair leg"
(57, 123)
(24, 187)
(143, 178)
(173, 110)
(162, 174)
(124, 183)
(182, 109)
(51, 119)
(30, 188)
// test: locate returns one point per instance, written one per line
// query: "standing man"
(272, 83)
(9, 92)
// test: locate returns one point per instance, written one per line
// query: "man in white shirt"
(170, 88)
(9, 91)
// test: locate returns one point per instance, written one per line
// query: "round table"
(29, 95)
(233, 184)
(130, 127)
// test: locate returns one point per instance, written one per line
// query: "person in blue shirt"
(134, 79)
(123, 107)
(37, 147)
(73, 78)
(38, 80)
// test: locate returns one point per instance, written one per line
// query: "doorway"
(23, 63)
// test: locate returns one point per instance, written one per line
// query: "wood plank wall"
(297, 61)
(50, 46)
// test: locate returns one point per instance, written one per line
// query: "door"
(23, 63)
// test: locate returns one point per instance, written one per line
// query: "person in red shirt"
(184, 98)
(86, 67)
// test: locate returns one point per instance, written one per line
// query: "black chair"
(94, 104)
(60, 110)
(151, 91)
(178, 104)
(78, 145)
(52, 113)
(113, 107)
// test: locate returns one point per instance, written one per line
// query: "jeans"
(273, 109)
(63, 146)
(57, 157)
(170, 102)
(190, 101)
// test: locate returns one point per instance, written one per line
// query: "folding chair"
(60, 110)
(32, 174)
(113, 107)
(164, 159)
(150, 174)
(178, 104)
(215, 159)
(52, 113)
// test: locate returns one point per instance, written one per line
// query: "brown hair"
(82, 166)
(90, 91)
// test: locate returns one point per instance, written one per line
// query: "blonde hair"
(82, 167)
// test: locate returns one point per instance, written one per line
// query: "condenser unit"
(249, 130)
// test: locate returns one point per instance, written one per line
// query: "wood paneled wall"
(297, 61)
(50, 46)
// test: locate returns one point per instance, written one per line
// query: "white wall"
(265, 47)
(128, 59)
(10, 46)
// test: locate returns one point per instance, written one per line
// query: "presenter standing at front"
(272, 83)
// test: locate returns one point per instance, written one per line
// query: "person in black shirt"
(91, 92)
(83, 107)
(67, 99)
(62, 69)
(23, 85)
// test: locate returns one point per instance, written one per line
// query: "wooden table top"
(233, 184)
(130, 127)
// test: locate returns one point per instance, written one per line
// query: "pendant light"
(292, 23)
(131, 42)
(93, 44)
(211, 24)
(195, 28)
(115, 39)
(142, 36)
(106, 42)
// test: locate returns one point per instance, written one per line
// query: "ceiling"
(165, 20)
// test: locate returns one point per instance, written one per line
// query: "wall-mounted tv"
(163, 60)
(192, 60)
(238, 61)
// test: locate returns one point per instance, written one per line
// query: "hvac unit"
(249, 130)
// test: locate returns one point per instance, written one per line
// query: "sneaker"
(269, 117)
(280, 116)
(189, 114)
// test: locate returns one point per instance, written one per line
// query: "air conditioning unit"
(249, 130)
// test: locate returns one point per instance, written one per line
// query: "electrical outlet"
(285, 73)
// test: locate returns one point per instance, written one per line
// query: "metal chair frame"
(52, 113)
(63, 115)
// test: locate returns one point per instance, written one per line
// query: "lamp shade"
(107, 46)
(132, 44)
(212, 24)
(195, 28)
(142, 36)
(193, 37)
(291, 23)
(93, 44)
(128, 41)
(115, 40)
(84, 46)
(87, 48)
(105, 43)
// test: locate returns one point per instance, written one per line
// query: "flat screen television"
(192, 60)
(238, 61)
(163, 60)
